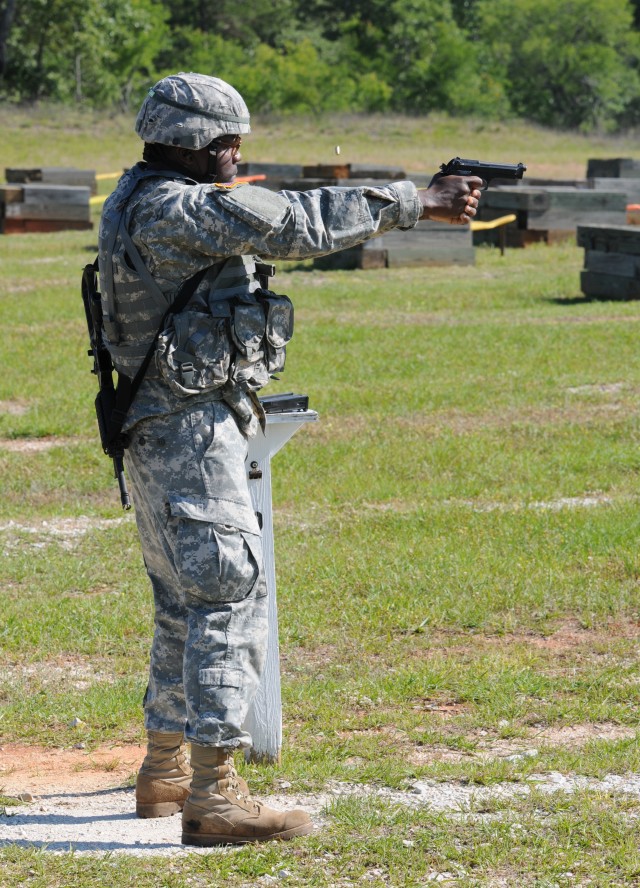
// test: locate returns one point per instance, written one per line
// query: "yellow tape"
(495, 223)
(108, 175)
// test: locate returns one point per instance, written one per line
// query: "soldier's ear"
(186, 156)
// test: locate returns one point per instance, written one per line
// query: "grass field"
(53, 136)
(456, 539)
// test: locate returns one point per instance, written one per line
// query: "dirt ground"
(39, 770)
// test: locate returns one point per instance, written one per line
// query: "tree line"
(562, 63)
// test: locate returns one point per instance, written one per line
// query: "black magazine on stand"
(287, 402)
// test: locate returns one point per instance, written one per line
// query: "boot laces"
(234, 785)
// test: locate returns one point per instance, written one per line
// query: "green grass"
(47, 135)
(456, 539)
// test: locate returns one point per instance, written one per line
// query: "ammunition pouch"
(241, 340)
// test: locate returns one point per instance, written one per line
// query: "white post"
(264, 720)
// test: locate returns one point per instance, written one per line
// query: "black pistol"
(485, 170)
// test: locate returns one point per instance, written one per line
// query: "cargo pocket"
(215, 684)
(219, 549)
(221, 704)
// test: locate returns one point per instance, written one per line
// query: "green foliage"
(436, 65)
(82, 49)
(568, 64)
(243, 23)
(292, 78)
(416, 48)
(298, 79)
(563, 64)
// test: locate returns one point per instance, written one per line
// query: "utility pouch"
(278, 328)
(261, 329)
(194, 351)
(250, 375)
(247, 330)
(248, 327)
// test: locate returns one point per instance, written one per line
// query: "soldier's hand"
(452, 199)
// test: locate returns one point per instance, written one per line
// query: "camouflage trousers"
(202, 549)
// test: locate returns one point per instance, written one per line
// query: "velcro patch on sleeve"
(259, 207)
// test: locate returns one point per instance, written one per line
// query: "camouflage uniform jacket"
(180, 227)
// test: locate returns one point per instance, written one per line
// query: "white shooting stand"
(264, 719)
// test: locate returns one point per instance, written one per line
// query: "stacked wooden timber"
(621, 174)
(613, 168)
(615, 174)
(548, 213)
(344, 174)
(39, 207)
(429, 243)
(53, 176)
(611, 261)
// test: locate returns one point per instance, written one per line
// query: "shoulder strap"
(138, 174)
(140, 267)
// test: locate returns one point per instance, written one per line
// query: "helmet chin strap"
(212, 166)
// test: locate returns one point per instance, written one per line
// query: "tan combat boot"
(220, 810)
(163, 781)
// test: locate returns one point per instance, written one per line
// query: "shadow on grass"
(582, 300)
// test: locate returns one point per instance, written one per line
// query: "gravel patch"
(32, 445)
(65, 532)
(104, 821)
(64, 528)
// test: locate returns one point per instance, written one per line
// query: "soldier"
(178, 213)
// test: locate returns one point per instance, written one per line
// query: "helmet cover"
(190, 111)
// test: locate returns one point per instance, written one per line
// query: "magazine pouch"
(278, 328)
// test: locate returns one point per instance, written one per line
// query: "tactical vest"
(234, 329)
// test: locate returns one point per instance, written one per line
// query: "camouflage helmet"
(190, 110)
